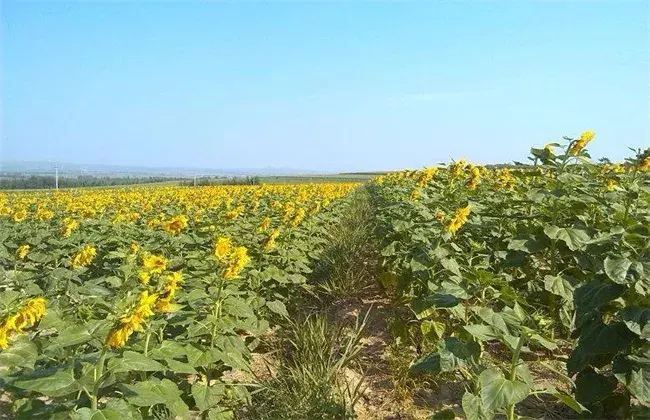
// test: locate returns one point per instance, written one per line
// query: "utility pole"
(56, 167)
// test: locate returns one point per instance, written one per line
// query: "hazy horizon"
(329, 87)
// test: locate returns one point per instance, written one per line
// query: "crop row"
(510, 272)
(141, 302)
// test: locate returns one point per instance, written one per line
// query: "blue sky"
(326, 86)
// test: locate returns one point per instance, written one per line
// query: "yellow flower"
(235, 213)
(266, 223)
(237, 259)
(84, 257)
(69, 226)
(43, 214)
(20, 215)
(270, 242)
(134, 248)
(582, 142)
(22, 251)
(426, 176)
(415, 194)
(549, 148)
(119, 335)
(171, 286)
(173, 281)
(300, 214)
(440, 215)
(474, 177)
(33, 310)
(289, 208)
(644, 166)
(154, 264)
(611, 185)
(144, 277)
(457, 168)
(458, 220)
(504, 179)
(175, 224)
(222, 247)
(153, 222)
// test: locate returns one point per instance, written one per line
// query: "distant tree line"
(48, 181)
(235, 180)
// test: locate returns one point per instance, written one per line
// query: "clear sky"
(325, 86)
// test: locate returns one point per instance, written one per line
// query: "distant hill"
(9, 168)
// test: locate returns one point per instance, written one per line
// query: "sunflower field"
(521, 283)
(503, 270)
(124, 303)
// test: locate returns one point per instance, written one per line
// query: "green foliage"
(190, 359)
(310, 379)
(552, 256)
(35, 182)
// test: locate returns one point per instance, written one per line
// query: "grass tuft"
(345, 268)
(314, 377)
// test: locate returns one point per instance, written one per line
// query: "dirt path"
(381, 399)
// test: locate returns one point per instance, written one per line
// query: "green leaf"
(454, 289)
(278, 307)
(592, 387)
(156, 391)
(422, 307)
(639, 412)
(432, 330)
(514, 316)
(637, 319)
(86, 413)
(206, 396)
(426, 363)
(134, 362)
(498, 392)
(492, 318)
(144, 394)
(233, 359)
(559, 286)
(56, 385)
(573, 238)
(451, 265)
(71, 336)
(568, 400)
(617, 269)
(518, 245)
(638, 383)
(482, 332)
(237, 307)
(168, 349)
(7, 298)
(605, 338)
(221, 413)
(595, 294)
(474, 409)
(446, 414)
(180, 367)
(388, 279)
(389, 250)
(20, 353)
(455, 353)
(634, 372)
(542, 341)
(522, 372)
